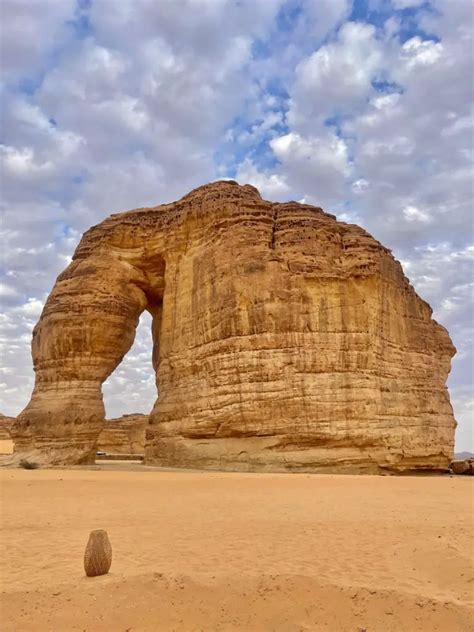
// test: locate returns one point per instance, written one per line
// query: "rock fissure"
(274, 228)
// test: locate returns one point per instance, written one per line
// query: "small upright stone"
(98, 554)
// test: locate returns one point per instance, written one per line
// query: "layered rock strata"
(283, 340)
(6, 424)
(464, 466)
(124, 435)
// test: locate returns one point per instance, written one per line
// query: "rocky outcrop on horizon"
(124, 435)
(6, 424)
(283, 340)
(462, 466)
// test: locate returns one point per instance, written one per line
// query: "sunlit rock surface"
(124, 435)
(283, 340)
(6, 424)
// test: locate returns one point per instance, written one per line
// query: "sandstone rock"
(465, 466)
(6, 424)
(283, 340)
(98, 554)
(124, 435)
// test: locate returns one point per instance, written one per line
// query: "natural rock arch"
(283, 339)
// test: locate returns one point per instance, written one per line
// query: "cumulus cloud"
(31, 31)
(270, 185)
(317, 166)
(335, 78)
(406, 4)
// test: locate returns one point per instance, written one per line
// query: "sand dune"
(211, 551)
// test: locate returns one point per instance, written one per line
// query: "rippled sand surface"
(221, 551)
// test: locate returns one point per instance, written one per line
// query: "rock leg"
(87, 326)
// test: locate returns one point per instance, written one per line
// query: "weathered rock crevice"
(285, 339)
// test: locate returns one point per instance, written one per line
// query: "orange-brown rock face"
(125, 435)
(283, 340)
(6, 424)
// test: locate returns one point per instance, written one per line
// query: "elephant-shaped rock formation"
(282, 340)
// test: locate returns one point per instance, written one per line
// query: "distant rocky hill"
(124, 435)
(5, 426)
(464, 455)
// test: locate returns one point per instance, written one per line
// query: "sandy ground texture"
(218, 551)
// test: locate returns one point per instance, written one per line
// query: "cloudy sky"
(360, 106)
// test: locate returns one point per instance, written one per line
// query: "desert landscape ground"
(232, 551)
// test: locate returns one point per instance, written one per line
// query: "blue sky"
(363, 107)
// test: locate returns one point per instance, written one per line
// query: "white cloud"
(270, 185)
(414, 214)
(463, 403)
(321, 17)
(30, 32)
(336, 78)
(6, 291)
(316, 166)
(360, 185)
(32, 308)
(405, 4)
(417, 52)
(21, 162)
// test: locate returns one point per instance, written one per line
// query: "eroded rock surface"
(283, 340)
(6, 424)
(464, 466)
(124, 435)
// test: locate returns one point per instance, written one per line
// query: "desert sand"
(222, 551)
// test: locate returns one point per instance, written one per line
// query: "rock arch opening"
(129, 396)
(131, 388)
